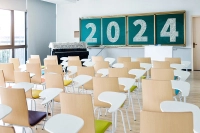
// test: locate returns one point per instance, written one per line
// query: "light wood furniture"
(74, 63)
(36, 69)
(83, 109)
(123, 59)
(54, 80)
(173, 60)
(101, 64)
(7, 129)
(86, 71)
(53, 57)
(8, 70)
(144, 60)
(162, 74)
(73, 58)
(97, 58)
(50, 61)
(54, 69)
(132, 65)
(16, 99)
(154, 92)
(158, 122)
(161, 64)
(16, 63)
(2, 79)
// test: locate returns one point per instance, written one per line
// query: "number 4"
(171, 22)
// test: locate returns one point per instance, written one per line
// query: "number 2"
(171, 22)
(90, 37)
(139, 37)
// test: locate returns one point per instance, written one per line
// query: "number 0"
(117, 31)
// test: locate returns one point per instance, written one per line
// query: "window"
(12, 35)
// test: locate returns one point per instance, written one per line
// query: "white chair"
(103, 71)
(177, 66)
(174, 106)
(118, 65)
(80, 80)
(183, 75)
(128, 83)
(138, 74)
(88, 64)
(110, 60)
(147, 67)
(185, 63)
(4, 110)
(64, 65)
(64, 59)
(67, 124)
(182, 86)
(85, 60)
(72, 70)
(115, 99)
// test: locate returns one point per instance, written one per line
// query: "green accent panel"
(133, 88)
(136, 24)
(101, 126)
(121, 28)
(85, 32)
(161, 21)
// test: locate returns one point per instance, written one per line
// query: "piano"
(69, 49)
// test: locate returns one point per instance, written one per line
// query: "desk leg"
(113, 122)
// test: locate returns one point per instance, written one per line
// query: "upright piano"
(69, 49)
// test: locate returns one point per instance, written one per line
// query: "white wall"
(68, 19)
(13, 5)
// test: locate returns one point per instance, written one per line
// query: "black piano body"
(69, 49)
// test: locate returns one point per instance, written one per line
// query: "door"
(196, 43)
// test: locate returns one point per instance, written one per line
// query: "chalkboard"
(141, 30)
(170, 29)
(114, 31)
(90, 31)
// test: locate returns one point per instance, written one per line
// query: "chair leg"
(123, 121)
(138, 99)
(115, 120)
(128, 120)
(31, 129)
(106, 111)
(131, 100)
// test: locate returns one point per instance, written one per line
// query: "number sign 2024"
(168, 30)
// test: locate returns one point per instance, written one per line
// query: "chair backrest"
(73, 58)
(7, 129)
(54, 80)
(159, 122)
(16, 99)
(22, 77)
(79, 105)
(34, 60)
(119, 72)
(53, 57)
(162, 74)
(97, 58)
(161, 64)
(123, 59)
(144, 60)
(35, 56)
(104, 84)
(55, 69)
(74, 63)
(8, 70)
(132, 65)
(87, 71)
(101, 64)
(16, 63)
(173, 60)
(50, 61)
(154, 92)
(36, 69)
(2, 79)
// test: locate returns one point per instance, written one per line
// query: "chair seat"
(133, 88)
(35, 93)
(101, 126)
(67, 82)
(143, 77)
(43, 80)
(42, 67)
(35, 117)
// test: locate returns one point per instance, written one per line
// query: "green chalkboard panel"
(90, 31)
(114, 31)
(170, 29)
(141, 30)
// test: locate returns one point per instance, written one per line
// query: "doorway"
(196, 43)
